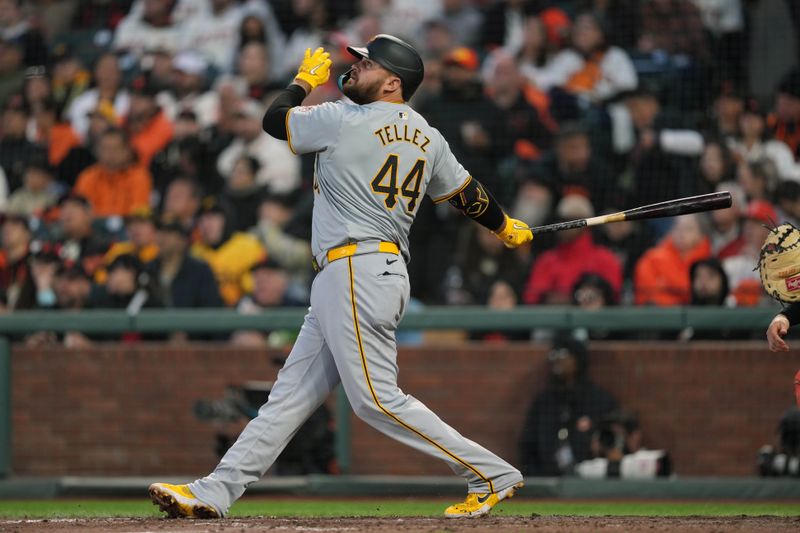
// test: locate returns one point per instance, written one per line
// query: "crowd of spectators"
(134, 171)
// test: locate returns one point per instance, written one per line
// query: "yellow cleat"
(479, 504)
(179, 502)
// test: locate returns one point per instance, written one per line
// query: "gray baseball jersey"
(374, 163)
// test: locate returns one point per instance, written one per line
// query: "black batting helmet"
(396, 56)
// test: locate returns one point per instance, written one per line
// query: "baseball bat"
(670, 208)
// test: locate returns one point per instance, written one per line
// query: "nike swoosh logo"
(520, 226)
(391, 262)
(314, 70)
(484, 498)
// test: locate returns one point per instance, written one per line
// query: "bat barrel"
(681, 206)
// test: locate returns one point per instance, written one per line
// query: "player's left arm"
(313, 71)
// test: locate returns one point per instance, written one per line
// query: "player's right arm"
(779, 327)
(453, 184)
(313, 71)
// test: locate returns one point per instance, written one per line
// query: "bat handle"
(560, 226)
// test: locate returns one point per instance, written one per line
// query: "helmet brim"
(358, 52)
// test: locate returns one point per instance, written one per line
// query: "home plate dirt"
(541, 524)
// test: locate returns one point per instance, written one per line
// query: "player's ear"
(393, 83)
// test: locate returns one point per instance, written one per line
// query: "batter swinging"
(375, 158)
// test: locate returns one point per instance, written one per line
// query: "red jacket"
(557, 270)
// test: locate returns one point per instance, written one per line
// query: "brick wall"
(126, 410)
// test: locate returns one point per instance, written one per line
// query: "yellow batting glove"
(315, 68)
(514, 233)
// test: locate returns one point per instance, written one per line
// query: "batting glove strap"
(315, 68)
(514, 233)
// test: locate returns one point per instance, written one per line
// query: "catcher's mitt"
(779, 263)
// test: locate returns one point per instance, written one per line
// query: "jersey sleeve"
(448, 176)
(313, 128)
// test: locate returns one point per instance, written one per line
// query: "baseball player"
(375, 158)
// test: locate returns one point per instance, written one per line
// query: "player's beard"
(363, 95)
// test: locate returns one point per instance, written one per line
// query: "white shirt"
(280, 168)
(215, 36)
(87, 102)
(618, 73)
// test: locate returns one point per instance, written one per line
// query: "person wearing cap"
(80, 243)
(108, 88)
(17, 284)
(188, 89)
(562, 419)
(230, 254)
(38, 191)
(149, 127)
(661, 276)
(116, 184)
(280, 168)
(182, 280)
(125, 278)
(555, 271)
(745, 282)
(755, 142)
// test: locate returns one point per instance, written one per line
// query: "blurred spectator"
(12, 69)
(288, 248)
(80, 243)
(215, 33)
(15, 148)
(590, 69)
(72, 287)
(674, 27)
(593, 293)
(628, 241)
(271, 288)
(253, 65)
(744, 280)
(81, 157)
(107, 87)
(465, 116)
(186, 91)
(725, 111)
(243, 194)
(37, 90)
(127, 287)
(558, 429)
(16, 282)
(463, 20)
(535, 195)
(726, 229)
(142, 241)
(576, 168)
(724, 21)
(754, 143)
(783, 457)
(784, 122)
(15, 27)
(709, 282)
(504, 24)
(524, 126)
(280, 168)
(662, 274)
(229, 254)
(503, 297)
(788, 197)
(479, 263)
(302, 24)
(535, 52)
(69, 77)
(555, 271)
(716, 165)
(758, 179)
(151, 29)
(53, 134)
(148, 126)
(182, 201)
(115, 185)
(182, 281)
(38, 191)
(191, 154)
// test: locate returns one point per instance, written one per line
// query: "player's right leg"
(304, 382)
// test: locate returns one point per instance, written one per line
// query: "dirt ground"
(541, 524)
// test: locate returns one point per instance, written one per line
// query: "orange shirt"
(152, 139)
(662, 274)
(116, 192)
(62, 139)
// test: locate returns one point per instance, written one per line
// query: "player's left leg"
(304, 382)
(361, 334)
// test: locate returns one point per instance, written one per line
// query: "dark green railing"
(467, 318)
